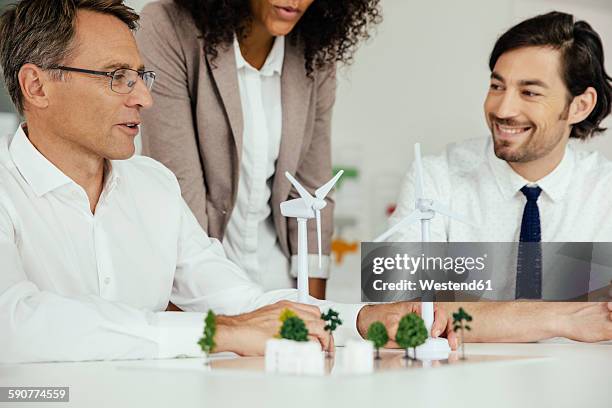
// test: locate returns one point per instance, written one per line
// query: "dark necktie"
(529, 262)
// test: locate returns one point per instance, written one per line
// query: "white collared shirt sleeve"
(79, 286)
(206, 279)
(45, 326)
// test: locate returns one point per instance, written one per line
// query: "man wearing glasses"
(94, 246)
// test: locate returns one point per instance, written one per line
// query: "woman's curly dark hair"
(329, 31)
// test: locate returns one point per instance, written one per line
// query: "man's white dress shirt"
(81, 286)
(575, 204)
(250, 239)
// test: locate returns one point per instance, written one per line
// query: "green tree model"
(458, 324)
(333, 321)
(207, 342)
(377, 334)
(411, 332)
(293, 327)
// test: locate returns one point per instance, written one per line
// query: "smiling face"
(527, 105)
(83, 110)
(279, 16)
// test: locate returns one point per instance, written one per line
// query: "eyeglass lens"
(124, 80)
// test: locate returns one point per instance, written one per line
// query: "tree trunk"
(462, 345)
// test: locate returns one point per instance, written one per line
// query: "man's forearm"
(511, 321)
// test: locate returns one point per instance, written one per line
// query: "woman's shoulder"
(161, 9)
(167, 14)
(164, 25)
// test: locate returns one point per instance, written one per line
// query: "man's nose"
(507, 105)
(140, 95)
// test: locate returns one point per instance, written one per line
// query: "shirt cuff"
(178, 334)
(313, 266)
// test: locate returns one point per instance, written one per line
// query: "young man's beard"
(521, 154)
(529, 150)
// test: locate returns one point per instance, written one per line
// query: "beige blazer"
(195, 125)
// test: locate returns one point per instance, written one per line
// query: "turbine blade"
(322, 191)
(318, 215)
(440, 209)
(409, 219)
(300, 189)
(418, 165)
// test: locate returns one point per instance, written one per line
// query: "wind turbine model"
(303, 209)
(425, 210)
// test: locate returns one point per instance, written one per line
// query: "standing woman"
(245, 92)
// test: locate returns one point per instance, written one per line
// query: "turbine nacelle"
(297, 208)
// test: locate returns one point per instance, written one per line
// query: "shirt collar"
(111, 176)
(274, 61)
(555, 184)
(40, 173)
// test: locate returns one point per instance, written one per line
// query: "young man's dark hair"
(40, 32)
(582, 60)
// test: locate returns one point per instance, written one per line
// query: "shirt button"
(107, 280)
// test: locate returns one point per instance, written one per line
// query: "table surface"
(522, 375)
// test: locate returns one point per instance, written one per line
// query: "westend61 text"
(425, 285)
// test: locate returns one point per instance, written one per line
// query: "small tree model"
(458, 324)
(293, 327)
(207, 342)
(333, 321)
(411, 332)
(377, 334)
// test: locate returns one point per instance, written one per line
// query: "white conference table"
(555, 375)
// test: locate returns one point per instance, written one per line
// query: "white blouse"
(250, 239)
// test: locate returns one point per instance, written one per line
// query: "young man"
(548, 84)
(95, 243)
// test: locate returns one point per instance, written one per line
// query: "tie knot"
(532, 193)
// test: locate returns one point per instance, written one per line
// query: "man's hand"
(246, 334)
(589, 322)
(391, 313)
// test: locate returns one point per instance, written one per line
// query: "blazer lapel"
(296, 90)
(224, 71)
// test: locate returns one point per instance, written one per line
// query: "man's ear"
(582, 105)
(32, 81)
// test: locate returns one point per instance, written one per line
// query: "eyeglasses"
(122, 79)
